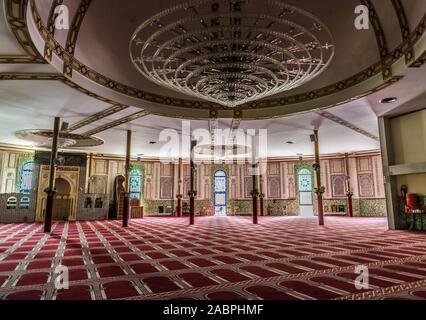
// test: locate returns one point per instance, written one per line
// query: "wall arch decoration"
(338, 186)
(11, 203)
(24, 203)
(68, 178)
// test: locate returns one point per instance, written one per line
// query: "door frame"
(306, 210)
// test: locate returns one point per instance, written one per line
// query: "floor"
(218, 258)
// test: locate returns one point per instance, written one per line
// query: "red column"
(126, 204)
(179, 206)
(192, 193)
(255, 214)
(320, 211)
(179, 191)
(261, 205)
(126, 210)
(317, 168)
(350, 206)
(349, 192)
(192, 209)
(254, 193)
(51, 189)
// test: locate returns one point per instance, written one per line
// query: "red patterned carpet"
(218, 258)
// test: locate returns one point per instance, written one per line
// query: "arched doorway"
(304, 186)
(220, 193)
(62, 203)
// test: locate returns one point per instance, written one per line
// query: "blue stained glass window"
(220, 189)
(305, 180)
(135, 184)
(26, 178)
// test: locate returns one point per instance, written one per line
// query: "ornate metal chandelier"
(232, 51)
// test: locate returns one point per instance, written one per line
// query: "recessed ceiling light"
(389, 100)
(152, 142)
(290, 142)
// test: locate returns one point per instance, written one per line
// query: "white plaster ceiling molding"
(364, 60)
(44, 138)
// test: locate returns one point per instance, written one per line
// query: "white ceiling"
(34, 104)
(26, 104)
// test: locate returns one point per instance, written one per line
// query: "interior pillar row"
(254, 173)
(52, 170)
(192, 192)
(179, 190)
(349, 192)
(126, 195)
(319, 189)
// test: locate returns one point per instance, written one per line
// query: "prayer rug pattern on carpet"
(219, 258)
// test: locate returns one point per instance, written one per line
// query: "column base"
(49, 210)
(179, 207)
(255, 217)
(320, 211)
(191, 210)
(126, 210)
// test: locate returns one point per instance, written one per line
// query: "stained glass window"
(220, 190)
(26, 177)
(135, 184)
(305, 180)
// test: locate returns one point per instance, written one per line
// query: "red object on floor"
(412, 202)
(218, 258)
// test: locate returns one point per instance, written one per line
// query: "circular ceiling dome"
(200, 59)
(231, 52)
(44, 138)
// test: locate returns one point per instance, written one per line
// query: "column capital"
(192, 193)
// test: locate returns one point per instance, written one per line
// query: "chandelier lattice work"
(232, 52)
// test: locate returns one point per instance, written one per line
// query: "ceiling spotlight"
(290, 142)
(152, 142)
(389, 100)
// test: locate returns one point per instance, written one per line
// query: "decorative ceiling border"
(16, 59)
(53, 15)
(420, 61)
(380, 37)
(97, 116)
(102, 80)
(68, 54)
(405, 30)
(393, 57)
(59, 77)
(30, 76)
(136, 93)
(328, 115)
(360, 77)
(16, 11)
(117, 123)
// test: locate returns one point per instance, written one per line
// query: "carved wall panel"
(338, 185)
(166, 188)
(366, 185)
(274, 190)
